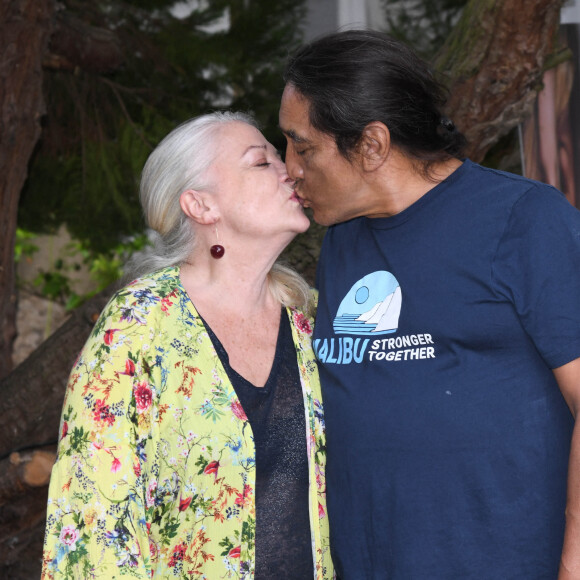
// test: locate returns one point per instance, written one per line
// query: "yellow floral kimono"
(155, 472)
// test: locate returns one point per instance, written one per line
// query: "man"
(448, 330)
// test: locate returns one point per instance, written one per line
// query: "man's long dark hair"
(355, 77)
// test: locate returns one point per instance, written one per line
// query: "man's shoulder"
(502, 194)
(488, 178)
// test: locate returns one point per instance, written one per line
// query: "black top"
(277, 417)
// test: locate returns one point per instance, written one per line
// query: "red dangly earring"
(217, 251)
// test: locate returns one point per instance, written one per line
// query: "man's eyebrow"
(292, 135)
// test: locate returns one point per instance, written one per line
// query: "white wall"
(325, 16)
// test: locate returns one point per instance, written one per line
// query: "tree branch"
(21, 471)
(32, 395)
(75, 44)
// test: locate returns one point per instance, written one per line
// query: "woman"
(192, 434)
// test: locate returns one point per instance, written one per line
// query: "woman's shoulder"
(156, 283)
(314, 295)
(150, 287)
(302, 319)
(143, 297)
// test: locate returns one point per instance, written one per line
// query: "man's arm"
(568, 377)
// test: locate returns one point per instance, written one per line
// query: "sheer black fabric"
(277, 417)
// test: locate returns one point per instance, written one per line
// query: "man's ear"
(374, 145)
(197, 206)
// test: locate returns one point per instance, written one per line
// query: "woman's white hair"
(181, 162)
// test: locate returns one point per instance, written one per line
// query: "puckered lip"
(297, 198)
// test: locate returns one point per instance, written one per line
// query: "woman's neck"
(228, 283)
(236, 303)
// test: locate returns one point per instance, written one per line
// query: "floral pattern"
(155, 472)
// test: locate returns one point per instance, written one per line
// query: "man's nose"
(293, 167)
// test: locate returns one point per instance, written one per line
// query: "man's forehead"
(294, 114)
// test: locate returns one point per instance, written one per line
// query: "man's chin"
(313, 215)
(321, 219)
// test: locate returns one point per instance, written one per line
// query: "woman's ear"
(375, 145)
(197, 206)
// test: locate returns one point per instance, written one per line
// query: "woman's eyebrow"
(248, 149)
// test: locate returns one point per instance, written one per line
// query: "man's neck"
(399, 184)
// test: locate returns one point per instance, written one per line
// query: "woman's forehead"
(239, 139)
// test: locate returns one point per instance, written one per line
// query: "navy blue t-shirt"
(437, 329)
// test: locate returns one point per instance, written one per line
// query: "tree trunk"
(25, 27)
(494, 59)
(32, 394)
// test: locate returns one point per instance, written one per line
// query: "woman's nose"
(283, 172)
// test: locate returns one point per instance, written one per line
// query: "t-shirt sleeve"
(537, 268)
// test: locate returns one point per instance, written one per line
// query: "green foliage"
(100, 128)
(56, 283)
(23, 246)
(92, 191)
(106, 268)
(422, 24)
